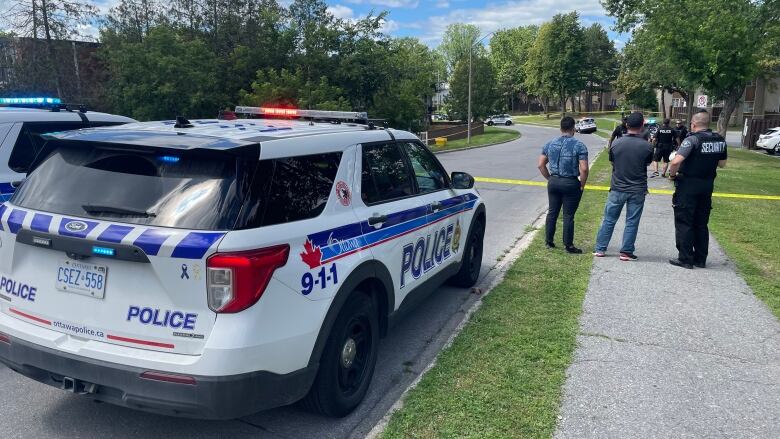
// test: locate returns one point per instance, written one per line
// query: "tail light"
(4, 338)
(237, 280)
(169, 378)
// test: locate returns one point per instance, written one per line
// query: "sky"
(427, 19)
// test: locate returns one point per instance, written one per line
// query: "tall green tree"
(556, 58)
(287, 89)
(601, 62)
(717, 43)
(456, 43)
(508, 52)
(484, 95)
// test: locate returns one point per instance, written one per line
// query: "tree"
(601, 62)
(484, 95)
(719, 50)
(163, 76)
(456, 43)
(293, 90)
(555, 60)
(508, 52)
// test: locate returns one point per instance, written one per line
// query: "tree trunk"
(34, 22)
(759, 107)
(689, 107)
(729, 105)
(601, 100)
(50, 48)
(663, 102)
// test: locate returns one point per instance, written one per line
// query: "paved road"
(32, 410)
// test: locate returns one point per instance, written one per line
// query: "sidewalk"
(668, 352)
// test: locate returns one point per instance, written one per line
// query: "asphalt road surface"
(33, 410)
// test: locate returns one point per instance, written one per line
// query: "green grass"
(749, 230)
(492, 135)
(503, 374)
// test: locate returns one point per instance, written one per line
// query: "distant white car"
(499, 119)
(770, 141)
(585, 125)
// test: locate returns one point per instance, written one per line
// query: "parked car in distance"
(586, 125)
(499, 119)
(770, 141)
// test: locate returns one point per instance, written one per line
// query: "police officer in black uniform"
(619, 131)
(680, 133)
(694, 169)
(664, 145)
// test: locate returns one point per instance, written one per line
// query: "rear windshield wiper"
(96, 208)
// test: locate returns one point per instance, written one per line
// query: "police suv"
(23, 120)
(217, 268)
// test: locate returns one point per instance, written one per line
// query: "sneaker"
(550, 244)
(625, 256)
(700, 264)
(678, 263)
(573, 250)
(654, 174)
(599, 254)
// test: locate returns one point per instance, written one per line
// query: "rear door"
(111, 245)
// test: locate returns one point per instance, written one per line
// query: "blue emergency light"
(169, 159)
(30, 101)
(103, 251)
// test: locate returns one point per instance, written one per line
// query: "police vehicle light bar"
(28, 101)
(295, 113)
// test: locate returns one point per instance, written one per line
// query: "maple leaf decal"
(312, 255)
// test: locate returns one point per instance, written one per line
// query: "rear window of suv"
(190, 192)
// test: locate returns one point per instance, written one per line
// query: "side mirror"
(462, 180)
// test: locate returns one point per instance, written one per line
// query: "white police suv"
(23, 120)
(216, 268)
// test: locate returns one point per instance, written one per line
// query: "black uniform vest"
(708, 149)
(665, 135)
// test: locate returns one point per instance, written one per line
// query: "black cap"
(635, 120)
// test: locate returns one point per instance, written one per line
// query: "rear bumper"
(211, 397)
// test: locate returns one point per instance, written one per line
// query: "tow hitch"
(77, 386)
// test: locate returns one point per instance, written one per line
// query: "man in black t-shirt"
(664, 145)
(618, 132)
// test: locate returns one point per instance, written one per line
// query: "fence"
(753, 128)
(451, 132)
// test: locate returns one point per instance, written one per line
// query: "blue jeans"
(635, 203)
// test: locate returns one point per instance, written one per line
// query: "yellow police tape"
(606, 188)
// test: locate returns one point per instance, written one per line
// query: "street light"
(468, 121)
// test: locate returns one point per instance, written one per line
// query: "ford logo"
(76, 226)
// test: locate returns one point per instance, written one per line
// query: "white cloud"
(442, 4)
(341, 11)
(389, 3)
(502, 15)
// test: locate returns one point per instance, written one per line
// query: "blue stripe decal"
(7, 188)
(151, 240)
(41, 222)
(195, 245)
(79, 234)
(115, 233)
(15, 220)
(2, 212)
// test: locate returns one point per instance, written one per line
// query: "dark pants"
(562, 192)
(692, 203)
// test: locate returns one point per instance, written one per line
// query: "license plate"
(82, 278)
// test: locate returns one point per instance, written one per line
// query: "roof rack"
(294, 113)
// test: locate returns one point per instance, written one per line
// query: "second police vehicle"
(215, 268)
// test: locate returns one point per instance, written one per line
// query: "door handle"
(437, 206)
(377, 219)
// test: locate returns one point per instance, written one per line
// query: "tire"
(470, 266)
(490, 123)
(770, 151)
(341, 382)
(508, 123)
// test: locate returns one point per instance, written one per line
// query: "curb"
(498, 271)
(446, 151)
